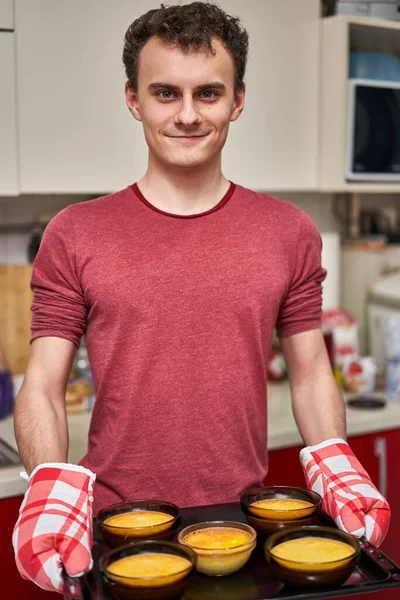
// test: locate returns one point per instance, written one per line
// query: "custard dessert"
(217, 538)
(138, 518)
(282, 508)
(221, 549)
(149, 566)
(312, 551)
(143, 521)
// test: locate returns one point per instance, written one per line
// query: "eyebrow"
(216, 85)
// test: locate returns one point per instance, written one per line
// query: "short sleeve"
(301, 308)
(58, 307)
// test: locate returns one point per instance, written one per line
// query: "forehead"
(160, 62)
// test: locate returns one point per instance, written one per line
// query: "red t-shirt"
(178, 314)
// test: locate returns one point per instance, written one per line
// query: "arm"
(330, 467)
(318, 405)
(40, 420)
(43, 538)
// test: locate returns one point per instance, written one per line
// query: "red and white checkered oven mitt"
(348, 495)
(54, 527)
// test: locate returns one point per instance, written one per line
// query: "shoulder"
(287, 217)
(90, 214)
(96, 207)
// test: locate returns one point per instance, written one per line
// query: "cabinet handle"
(380, 453)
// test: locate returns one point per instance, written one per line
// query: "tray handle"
(381, 454)
(75, 588)
(384, 561)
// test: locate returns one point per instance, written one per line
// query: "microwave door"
(374, 140)
(374, 131)
(394, 110)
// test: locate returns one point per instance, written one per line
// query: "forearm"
(319, 409)
(40, 425)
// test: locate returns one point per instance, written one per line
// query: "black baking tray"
(375, 571)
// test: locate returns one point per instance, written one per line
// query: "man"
(177, 283)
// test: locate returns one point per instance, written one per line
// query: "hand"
(348, 494)
(54, 527)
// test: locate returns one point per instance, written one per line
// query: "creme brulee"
(149, 565)
(282, 504)
(312, 550)
(217, 538)
(221, 547)
(138, 518)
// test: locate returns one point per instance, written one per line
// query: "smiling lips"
(187, 137)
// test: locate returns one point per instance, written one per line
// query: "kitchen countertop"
(282, 431)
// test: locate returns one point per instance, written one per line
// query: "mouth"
(187, 137)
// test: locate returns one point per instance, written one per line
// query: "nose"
(187, 113)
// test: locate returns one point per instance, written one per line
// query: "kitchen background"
(321, 129)
(316, 141)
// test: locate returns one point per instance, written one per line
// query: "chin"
(186, 161)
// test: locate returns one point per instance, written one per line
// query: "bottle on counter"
(6, 389)
(392, 347)
(80, 393)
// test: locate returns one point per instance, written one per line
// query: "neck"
(183, 191)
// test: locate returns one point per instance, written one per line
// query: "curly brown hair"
(187, 26)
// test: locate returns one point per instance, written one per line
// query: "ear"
(238, 103)
(132, 101)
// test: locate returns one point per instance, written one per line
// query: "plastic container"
(392, 381)
(359, 374)
(391, 326)
(6, 392)
(374, 65)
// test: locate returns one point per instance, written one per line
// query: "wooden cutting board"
(15, 315)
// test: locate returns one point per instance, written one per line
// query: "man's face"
(185, 101)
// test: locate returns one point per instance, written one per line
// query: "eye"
(165, 94)
(209, 95)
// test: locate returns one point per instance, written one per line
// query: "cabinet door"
(75, 132)
(8, 127)
(284, 467)
(365, 447)
(378, 453)
(391, 544)
(12, 584)
(273, 144)
(6, 14)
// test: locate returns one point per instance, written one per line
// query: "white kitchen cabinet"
(341, 35)
(76, 135)
(273, 144)
(6, 14)
(75, 132)
(8, 127)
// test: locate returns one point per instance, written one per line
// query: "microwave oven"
(373, 133)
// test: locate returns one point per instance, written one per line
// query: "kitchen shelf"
(360, 187)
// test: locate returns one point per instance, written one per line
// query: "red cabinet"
(13, 586)
(379, 454)
(284, 467)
